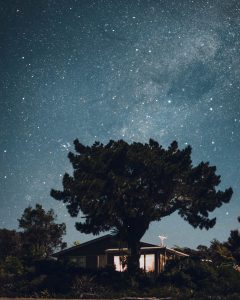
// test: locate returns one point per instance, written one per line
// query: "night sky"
(114, 69)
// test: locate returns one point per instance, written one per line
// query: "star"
(128, 71)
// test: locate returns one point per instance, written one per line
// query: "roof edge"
(81, 245)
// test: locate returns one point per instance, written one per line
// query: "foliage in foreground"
(209, 272)
(188, 278)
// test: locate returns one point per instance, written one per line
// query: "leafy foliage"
(220, 253)
(204, 278)
(41, 235)
(188, 279)
(10, 243)
(87, 287)
(11, 265)
(124, 187)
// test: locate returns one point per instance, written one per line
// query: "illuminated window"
(118, 262)
(147, 262)
(141, 262)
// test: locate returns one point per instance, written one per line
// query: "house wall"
(161, 263)
(83, 261)
(91, 261)
(94, 253)
(101, 261)
(149, 262)
(110, 259)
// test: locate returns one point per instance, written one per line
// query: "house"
(109, 251)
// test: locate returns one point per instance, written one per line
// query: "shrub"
(229, 280)
(11, 265)
(87, 287)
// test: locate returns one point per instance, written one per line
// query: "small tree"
(41, 235)
(220, 253)
(124, 187)
(203, 252)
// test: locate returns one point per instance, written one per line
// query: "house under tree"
(110, 251)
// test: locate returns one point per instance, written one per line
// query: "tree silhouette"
(219, 253)
(124, 187)
(41, 235)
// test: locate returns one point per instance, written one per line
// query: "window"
(80, 261)
(147, 262)
(118, 262)
(141, 262)
(102, 261)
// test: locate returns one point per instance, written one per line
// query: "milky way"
(100, 70)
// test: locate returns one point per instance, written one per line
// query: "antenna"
(162, 238)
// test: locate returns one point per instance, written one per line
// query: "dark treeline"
(27, 269)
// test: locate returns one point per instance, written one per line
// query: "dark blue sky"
(100, 70)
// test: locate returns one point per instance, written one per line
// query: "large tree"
(41, 235)
(124, 187)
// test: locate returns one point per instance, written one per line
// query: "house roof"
(116, 250)
(177, 252)
(109, 243)
(65, 251)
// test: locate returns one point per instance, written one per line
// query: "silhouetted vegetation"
(21, 251)
(124, 187)
(188, 278)
(210, 271)
(41, 236)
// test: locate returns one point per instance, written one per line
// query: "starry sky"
(117, 69)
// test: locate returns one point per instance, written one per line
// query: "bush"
(11, 265)
(87, 287)
(188, 279)
(48, 266)
(229, 280)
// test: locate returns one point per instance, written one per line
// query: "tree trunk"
(133, 256)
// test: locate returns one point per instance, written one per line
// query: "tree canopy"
(41, 235)
(124, 187)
